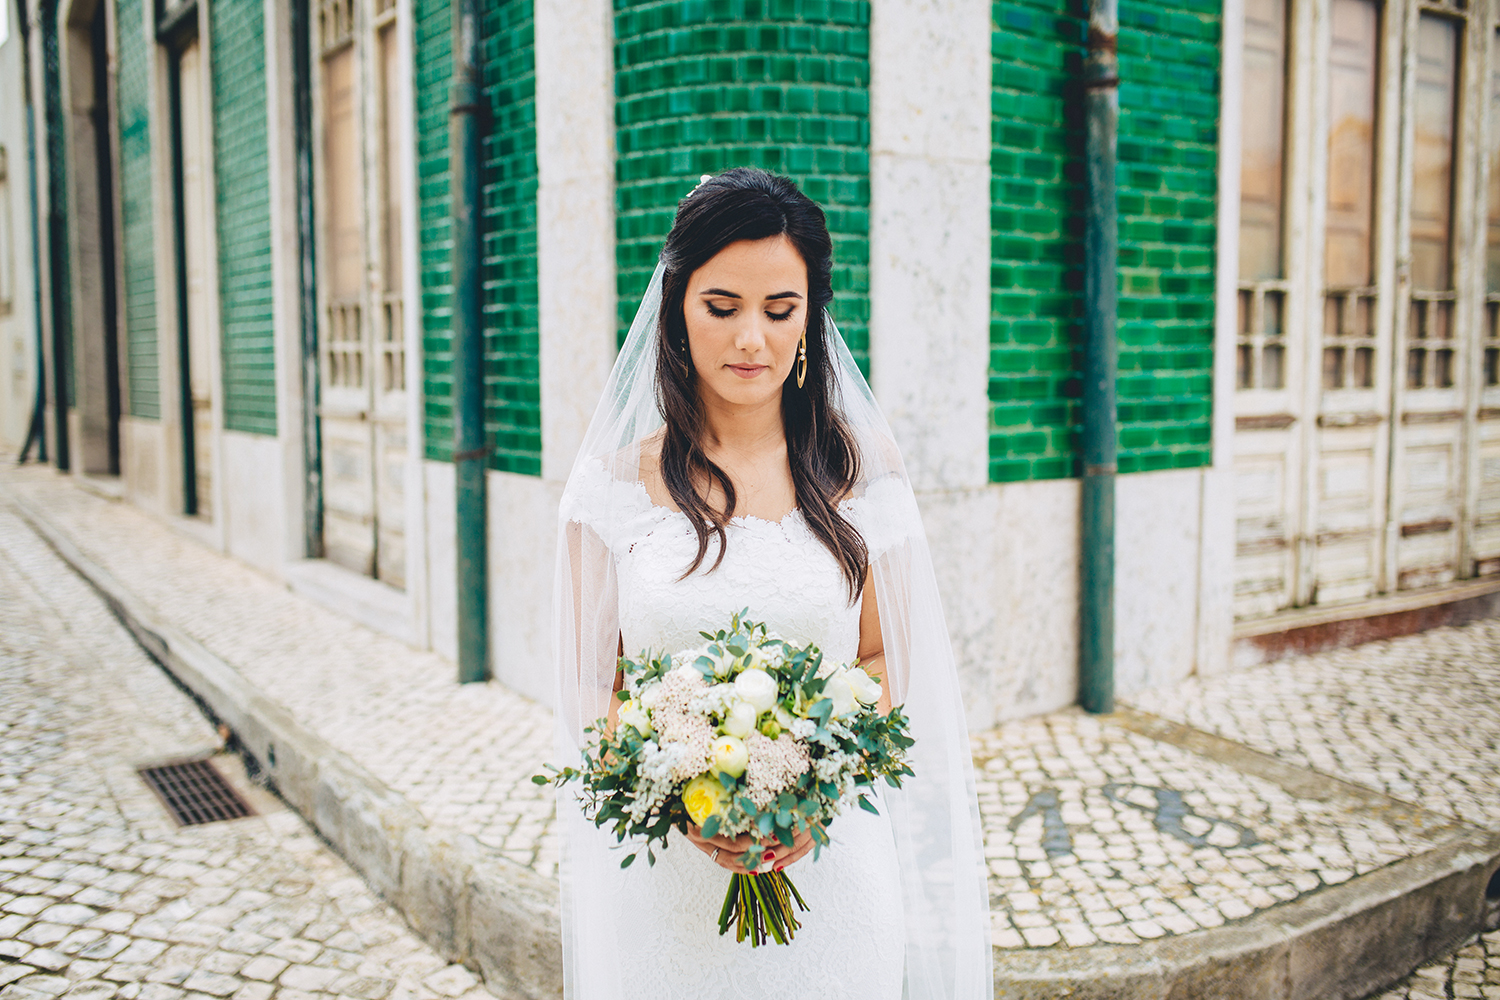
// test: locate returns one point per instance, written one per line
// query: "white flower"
(741, 719)
(782, 716)
(634, 715)
(758, 688)
(839, 689)
(650, 697)
(730, 755)
(866, 688)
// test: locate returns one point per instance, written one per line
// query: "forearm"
(875, 667)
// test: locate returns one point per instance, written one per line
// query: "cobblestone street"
(1215, 807)
(101, 894)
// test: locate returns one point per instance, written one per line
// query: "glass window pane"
(1432, 181)
(390, 105)
(1262, 138)
(1351, 142)
(342, 186)
(1492, 261)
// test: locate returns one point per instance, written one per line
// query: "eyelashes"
(773, 317)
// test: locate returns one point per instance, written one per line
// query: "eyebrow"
(722, 293)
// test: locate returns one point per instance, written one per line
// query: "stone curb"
(486, 912)
(1341, 943)
(501, 919)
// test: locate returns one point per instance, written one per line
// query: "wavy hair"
(750, 204)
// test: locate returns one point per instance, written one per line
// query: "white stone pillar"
(930, 233)
(575, 218)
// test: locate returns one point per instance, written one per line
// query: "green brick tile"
(508, 182)
(243, 204)
(137, 244)
(1167, 184)
(780, 84)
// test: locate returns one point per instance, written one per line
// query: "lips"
(747, 371)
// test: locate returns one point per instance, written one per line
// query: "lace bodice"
(778, 570)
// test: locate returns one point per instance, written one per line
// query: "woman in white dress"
(738, 462)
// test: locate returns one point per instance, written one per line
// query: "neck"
(743, 428)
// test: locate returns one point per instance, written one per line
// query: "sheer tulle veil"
(934, 815)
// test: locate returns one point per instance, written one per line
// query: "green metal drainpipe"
(38, 431)
(469, 450)
(1096, 647)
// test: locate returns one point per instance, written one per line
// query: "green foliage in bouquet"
(745, 735)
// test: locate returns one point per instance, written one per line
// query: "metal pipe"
(312, 428)
(59, 278)
(38, 430)
(1096, 646)
(469, 449)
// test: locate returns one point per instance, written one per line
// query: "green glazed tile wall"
(137, 243)
(508, 230)
(1167, 178)
(433, 69)
(247, 353)
(704, 85)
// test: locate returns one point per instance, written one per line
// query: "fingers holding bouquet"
(732, 853)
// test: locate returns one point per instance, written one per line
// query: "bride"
(736, 461)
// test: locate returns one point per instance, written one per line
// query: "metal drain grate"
(194, 792)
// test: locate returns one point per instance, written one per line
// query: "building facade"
(240, 313)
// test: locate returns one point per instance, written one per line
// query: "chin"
(733, 389)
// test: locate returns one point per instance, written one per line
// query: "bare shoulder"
(649, 466)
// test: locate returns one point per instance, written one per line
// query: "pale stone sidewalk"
(463, 755)
(1202, 816)
(101, 894)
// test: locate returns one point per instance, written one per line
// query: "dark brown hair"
(750, 204)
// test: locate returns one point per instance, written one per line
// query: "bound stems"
(760, 907)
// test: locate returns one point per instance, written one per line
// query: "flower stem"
(761, 908)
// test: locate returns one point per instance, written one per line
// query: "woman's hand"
(774, 855)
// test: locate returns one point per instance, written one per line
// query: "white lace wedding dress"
(852, 938)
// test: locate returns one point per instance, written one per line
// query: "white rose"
(838, 688)
(723, 664)
(866, 688)
(731, 756)
(740, 721)
(650, 697)
(633, 715)
(758, 688)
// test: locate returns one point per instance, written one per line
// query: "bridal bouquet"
(746, 734)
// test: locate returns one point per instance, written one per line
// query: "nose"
(751, 334)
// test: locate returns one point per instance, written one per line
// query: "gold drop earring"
(802, 361)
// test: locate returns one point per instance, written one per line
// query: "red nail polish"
(769, 856)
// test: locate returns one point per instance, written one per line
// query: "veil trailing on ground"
(934, 816)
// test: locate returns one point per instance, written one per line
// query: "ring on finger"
(715, 855)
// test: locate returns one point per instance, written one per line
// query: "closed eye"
(780, 317)
(721, 313)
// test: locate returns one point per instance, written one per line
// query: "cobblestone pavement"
(1094, 832)
(101, 894)
(1416, 717)
(1471, 971)
(462, 754)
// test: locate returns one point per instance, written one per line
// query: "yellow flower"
(702, 797)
